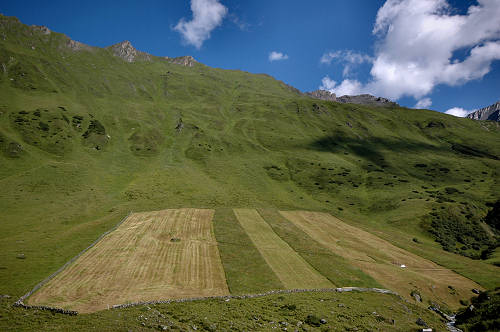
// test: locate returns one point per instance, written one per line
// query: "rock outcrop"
(323, 95)
(491, 113)
(367, 99)
(127, 52)
(77, 46)
(364, 99)
(42, 28)
(186, 61)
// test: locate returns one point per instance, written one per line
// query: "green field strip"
(334, 267)
(290, 267)
(245, 268)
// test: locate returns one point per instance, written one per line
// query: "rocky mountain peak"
(127, 52)
(491, 113)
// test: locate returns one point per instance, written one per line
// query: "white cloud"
(418, 40)
(347, 87)
(207, 15)
(423, 103)
(276, 56)
(457, 111)
(348, 58)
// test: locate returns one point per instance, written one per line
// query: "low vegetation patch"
(482, 313)
(458, 229)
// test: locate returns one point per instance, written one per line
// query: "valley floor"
(175, 254)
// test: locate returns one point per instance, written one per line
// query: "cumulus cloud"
(276, 56)
(457, 111)
(347, 87)
(418, 41)
(423, 103)
(207, 15)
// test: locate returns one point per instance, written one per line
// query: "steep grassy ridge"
(86, 137)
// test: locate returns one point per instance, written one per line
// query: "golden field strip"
(382, 260)
(173, 254)
(155, 255)
(292, 270)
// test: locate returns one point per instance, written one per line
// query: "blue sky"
(439, 54)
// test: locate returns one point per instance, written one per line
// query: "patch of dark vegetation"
(146, 142)
(482, 313)
(278, 173)
(458, 229)
(435, 124)
(451, 190)
(77, 122)
(95, 135)
(493, 216)
(313, 320)
(10, 148)
(44, 128)
(473, 152)
(95, 127)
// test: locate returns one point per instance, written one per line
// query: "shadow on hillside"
(373, 148)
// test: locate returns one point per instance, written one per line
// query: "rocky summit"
(323, 95)
(186, 61)
(491, 113)
(364, 99)
(127, 52)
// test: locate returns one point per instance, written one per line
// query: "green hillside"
(86, 137)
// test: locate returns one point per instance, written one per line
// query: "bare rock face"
(127, 52)
(186, 61)
(323, 95)
(367, 99)
(491, 113)
(42, 28)
(77, 46)
(364, 99)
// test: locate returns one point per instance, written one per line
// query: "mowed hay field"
(292, 270)
(156, 255)
(383, 261)
(174, 253)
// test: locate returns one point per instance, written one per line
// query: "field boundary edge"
(271, 292)
(20, 302)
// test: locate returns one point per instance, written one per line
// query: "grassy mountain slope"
(86, 137)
